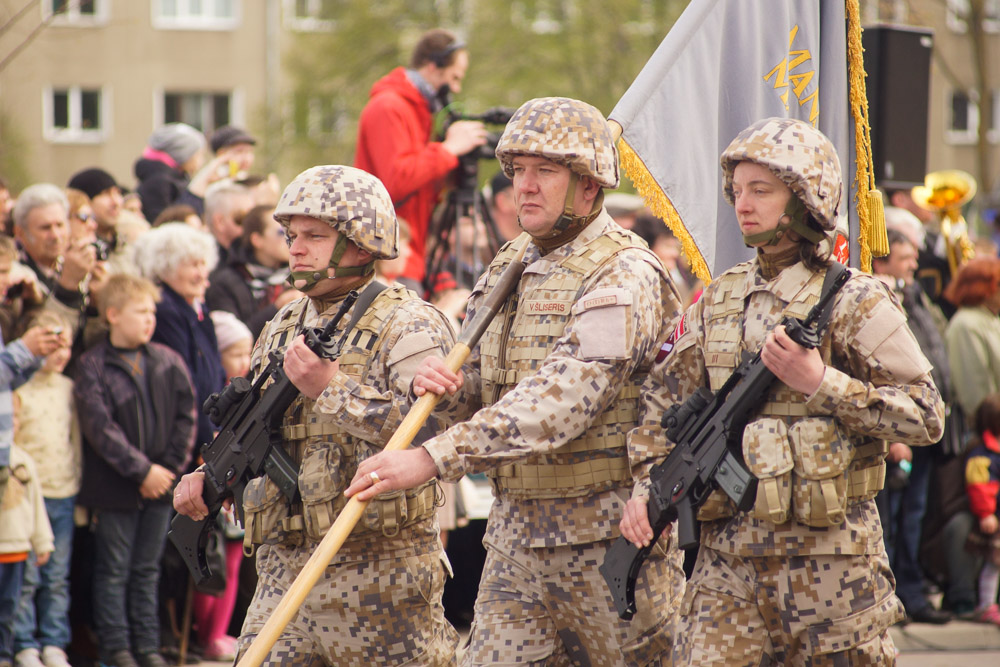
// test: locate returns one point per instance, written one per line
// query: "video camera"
(467, 173)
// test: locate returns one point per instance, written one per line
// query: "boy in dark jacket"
(137, 416)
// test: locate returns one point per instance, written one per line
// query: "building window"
(205, 111)
(75, 12)
(196, 14)
(957, 16)
(312, 15)
(74, 115)
(963, 118)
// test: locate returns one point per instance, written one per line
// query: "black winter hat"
(228, 135)
(92, 182)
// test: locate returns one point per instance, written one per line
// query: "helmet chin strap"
(794, 218)
(313, 278)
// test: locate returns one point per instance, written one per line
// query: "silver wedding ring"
(373, 476)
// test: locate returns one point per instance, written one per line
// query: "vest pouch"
(266, 515)
(823, 455)
(386, 513)
(320, 483)
(866, 476)
(768, 455)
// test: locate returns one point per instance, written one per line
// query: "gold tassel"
(871, 216)
(661, 206)
(879, 241)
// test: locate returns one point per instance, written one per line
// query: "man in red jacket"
(395, 130)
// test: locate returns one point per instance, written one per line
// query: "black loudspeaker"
(898, 63)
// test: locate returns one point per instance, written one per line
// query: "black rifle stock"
(248, 444)
(707, 430)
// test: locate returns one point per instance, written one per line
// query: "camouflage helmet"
(566, 131)
(799, 155)
(350, 200)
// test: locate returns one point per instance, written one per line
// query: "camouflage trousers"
(818, 610)
(551, 606)
(375, 612)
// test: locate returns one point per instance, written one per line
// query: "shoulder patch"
(671, 342)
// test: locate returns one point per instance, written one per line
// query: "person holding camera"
(394, 134)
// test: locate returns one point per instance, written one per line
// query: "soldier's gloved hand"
(635, 523)
(434, 376)
(187, 496)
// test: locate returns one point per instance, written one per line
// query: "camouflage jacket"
(581, 374)
(877, 385)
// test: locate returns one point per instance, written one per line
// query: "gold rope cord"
(871, 215)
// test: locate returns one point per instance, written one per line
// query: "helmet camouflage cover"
(799, 155)
(350, 200)
(566, 131)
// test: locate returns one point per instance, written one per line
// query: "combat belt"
(513, 348)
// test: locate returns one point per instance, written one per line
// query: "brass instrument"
(945, 192)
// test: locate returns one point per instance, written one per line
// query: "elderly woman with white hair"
(179, 258)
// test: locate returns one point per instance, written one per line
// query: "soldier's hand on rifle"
(800, 368)
(434, 376)
(309, 373)
(389, 471)
(187, 496)
(635, 522)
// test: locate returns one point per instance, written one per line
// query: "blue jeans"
(902, 531)
(43, 615)
(11, 576)
(127, 550)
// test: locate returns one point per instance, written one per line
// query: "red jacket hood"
(397, 82)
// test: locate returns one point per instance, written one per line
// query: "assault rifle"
(248, 444)
(707, 430)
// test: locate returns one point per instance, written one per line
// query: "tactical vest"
(327, 455)
(516, 344)
(807, 466)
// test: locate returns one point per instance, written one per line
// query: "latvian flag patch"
(679, 331)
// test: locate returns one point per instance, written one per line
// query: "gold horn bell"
(945, 192)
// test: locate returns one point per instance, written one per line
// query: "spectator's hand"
(31, 291)
(42, 558)
(310, 373)
(157, 482)
(42, 341)
(98, 278)
(989, 524)
(800, 368)
(899, 451)
(187, 496)
(78, 261)
(214, 170)
(390, 471)
(434, 376)
(463, 136)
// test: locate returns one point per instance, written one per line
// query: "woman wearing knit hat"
(173, 153)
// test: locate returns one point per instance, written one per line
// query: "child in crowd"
(136, 408)
(24, 528)
(49, 434)
(982, 478)
(212, 614)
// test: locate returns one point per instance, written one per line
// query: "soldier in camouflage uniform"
(557, 378)
(802, 578)
(379, 601)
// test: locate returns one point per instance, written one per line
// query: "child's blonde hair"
(123, 288)
(49, 318)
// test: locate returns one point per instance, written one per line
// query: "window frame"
(186, 20)
(72, 18)
(962, 137)
(75, 133)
